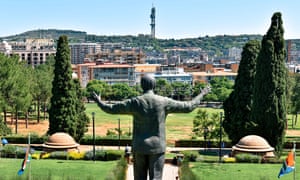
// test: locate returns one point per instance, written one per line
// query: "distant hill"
(213, 45)
(74, 36)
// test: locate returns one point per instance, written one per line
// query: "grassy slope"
(56, 169)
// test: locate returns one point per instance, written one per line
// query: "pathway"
(170, 172)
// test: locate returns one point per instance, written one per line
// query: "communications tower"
(152, 17)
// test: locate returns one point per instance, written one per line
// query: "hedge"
(109, 141)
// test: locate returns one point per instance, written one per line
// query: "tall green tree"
(43, 76)
(237, 107)
(62, 112)
(21, 93)
(82, 120)
(295, 97)
(8, 70)
(15, 87)
(269, 98)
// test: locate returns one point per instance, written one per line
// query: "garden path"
(170, 172)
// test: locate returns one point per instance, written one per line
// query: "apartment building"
(84, 72)
(79, 51)
(142, 69)
(114, 73)
(173, 74)
(205, 77)
(119, 56)
(32, 51)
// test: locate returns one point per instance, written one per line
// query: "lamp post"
(119, 131)
(220, 144)
(205, 136)
(94, 150)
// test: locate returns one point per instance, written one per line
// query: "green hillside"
(213, 45)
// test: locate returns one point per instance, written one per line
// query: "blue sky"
(174, 18)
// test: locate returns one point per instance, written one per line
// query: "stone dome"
(60, 140)
(253, 143)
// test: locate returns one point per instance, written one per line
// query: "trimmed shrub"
(191, 155)
(248, 158)
(59, 155)
(272, 160)
(9, 149)
(20, 139)
(105, 141)
(100, 155)
(12, 151)
(21, 151)
(114, 155)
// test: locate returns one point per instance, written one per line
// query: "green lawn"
(178, 125)
(56, 169)
(173, 119)
(244, 171)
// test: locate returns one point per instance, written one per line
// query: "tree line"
(258, 103)
(22, 88)
(220, 90)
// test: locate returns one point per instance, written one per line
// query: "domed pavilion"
(60, 142)
(253, 144)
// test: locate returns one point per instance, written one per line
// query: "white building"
(5, 47)
(33, 51)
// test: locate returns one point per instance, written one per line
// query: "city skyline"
(174, 19)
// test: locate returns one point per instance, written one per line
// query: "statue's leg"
(156, 165)
(140, 164)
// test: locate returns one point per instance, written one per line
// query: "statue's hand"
(96, 97)
(206, 90)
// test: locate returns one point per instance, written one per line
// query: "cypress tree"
(82, 120)
(62, 111)
(269, 99)
(237, 107)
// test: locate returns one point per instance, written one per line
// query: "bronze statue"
(149, 113)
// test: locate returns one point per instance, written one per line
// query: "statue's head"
(148, 82)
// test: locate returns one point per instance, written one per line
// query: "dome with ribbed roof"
(60, 140)
(253, 144)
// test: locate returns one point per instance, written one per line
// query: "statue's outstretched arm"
(198, 98)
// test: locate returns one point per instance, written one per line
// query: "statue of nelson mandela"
(149, 113)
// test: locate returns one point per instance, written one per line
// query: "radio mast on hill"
(152, 17)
